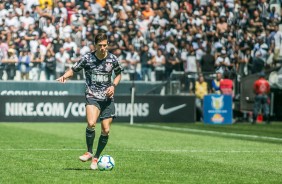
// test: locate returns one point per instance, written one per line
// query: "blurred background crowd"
(155, 40)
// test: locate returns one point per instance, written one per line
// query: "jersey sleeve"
(79, 65)
(117, 66)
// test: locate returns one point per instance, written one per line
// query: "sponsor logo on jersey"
(100, 78)
(109, 67)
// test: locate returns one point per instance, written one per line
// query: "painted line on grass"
(145, 150)
(41, 149)
(209, 132)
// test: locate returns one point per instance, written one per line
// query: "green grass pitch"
(144, 153)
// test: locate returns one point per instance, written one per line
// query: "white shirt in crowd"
(33, 46)
(29, 3)
(159, 65)
(26, 21)
(134, 58)
(50, 31)
(84, 50)
(14, 21)
(65, 32)
(3, 14)
(70, 45)
(191, 64)
(173, 8)
(61, 60)
(64, 12)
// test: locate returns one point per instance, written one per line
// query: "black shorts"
(107, 108)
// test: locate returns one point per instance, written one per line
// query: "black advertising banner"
(72, 108)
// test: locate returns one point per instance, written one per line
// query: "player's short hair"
(100, 37)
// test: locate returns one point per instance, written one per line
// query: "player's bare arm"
(111, 90)
(67, 75)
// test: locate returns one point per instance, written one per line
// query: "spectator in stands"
(50, 65)
(27, 20)
(2, 67)
(201, 89)
(277, 44)
(75, 57)
(222, 62)
(133, 59)
(146, 63)
(148, 13)
(125, 74)
(84, 47)
(45, 41)
(216, 83)
(3, 48)
(207, 62)
(191, 68)
(219, 25)
(172, 63)
(24, 63)
(69, 46)
(138, 41)
(49, 29)
(244, 60)
(62, 59)
(37, 64)
(60, 12)
(159, 63)
(10, 64)
(12, 19)
(260, 56)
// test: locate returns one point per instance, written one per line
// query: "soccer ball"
(106, 163)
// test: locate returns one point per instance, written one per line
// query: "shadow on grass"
(76, 169)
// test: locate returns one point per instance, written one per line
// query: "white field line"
(144, 150)
(210, 132)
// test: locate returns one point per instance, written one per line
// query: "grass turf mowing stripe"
(142, 155)
(209, 132)
(147, 150)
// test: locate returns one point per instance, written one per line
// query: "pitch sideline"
(209, 132)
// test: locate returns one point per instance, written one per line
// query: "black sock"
(101, 145)
(90, 135)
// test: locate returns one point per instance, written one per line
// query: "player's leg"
(265, 107)
(103, 140)
(107, 115)
(92, 114)
(256, 108)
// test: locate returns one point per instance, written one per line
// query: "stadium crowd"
(153, 39)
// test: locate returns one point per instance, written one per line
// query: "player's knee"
(105, 131)
(91, 124)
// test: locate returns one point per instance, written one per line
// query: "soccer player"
(99, 66)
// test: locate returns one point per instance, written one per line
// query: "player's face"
(102, 46)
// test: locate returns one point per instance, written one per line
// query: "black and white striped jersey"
(98, 73)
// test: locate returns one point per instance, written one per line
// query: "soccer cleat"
(94, 165)
(85, 157)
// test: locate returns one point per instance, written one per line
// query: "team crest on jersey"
(217, 103)
(109, 67)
